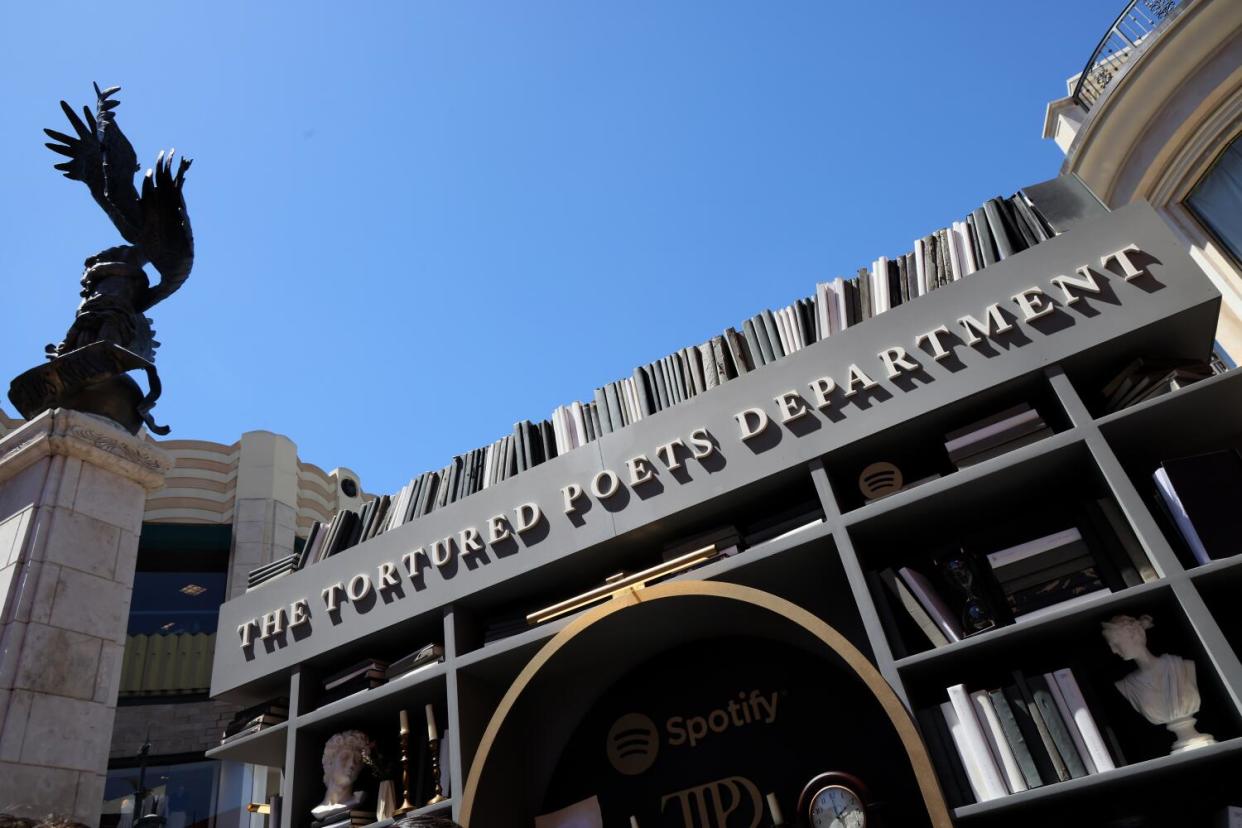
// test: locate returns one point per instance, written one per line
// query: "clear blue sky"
(419, 222)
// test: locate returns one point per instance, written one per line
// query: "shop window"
(179, 584)
(1217, 199)
(183, 794)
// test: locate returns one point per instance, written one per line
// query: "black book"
(931, 262)
(974, 241)
(656, 369)
(1030, 735)
(945, 757)
(903, 281)
(549, 439)
(645, 389)
(1033, 223)
(520, 452)
(366, 518)
(945, 266)
(1117, 568)
(1036, 717)
(1209, 489)
(528, 440)
(280, 564)
(423, 656)
(1004, 246)
(1056, 726)
(277, 706)
(601, 404)
(614, 406)
(774, 336)
(309, 544)
(752, 339)
(1018, 231)
(912, 276)
(349, 531)
(1017, 742)
(895, 282)
(670, 381)
(865, 301)
(724, 365)
(427, 492)
(589, 420)
(678, 363)
(353, 671)
(984, 233)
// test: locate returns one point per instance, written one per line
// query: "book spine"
(1036, 717)
(1081, 715)
(1056, 726)
(944, 756)
(1071, 726)
(1013, 736)
(931, 602)
(1181, 518)
(995, 734)
(913, 608)
(985, 775)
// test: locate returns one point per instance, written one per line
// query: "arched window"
(1217, 199)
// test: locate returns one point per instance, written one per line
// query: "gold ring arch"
(933, 799)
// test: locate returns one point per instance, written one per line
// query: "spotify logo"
(879, 479)
(633, 743)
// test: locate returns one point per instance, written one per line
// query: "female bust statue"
(1163, 688)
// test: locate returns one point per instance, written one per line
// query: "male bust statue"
(342, 762)
(1163, 688)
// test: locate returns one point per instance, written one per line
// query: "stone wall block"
(108, 679)
(22, 489)
(13, 532)
(58, 661)
(24, 789)
(90, 796)
(17, 714)
(90, 604)
(67, 486)
(35, 602)
(83, 543)
(126, 558)
(56, 720)
(250, 510)
(110, 498)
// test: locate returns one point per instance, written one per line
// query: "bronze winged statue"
(111, 333)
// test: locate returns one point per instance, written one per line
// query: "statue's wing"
(102, 157)
(167, 239)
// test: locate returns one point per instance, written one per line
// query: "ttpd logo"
(633, 743)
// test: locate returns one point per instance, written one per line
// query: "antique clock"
(835, 800)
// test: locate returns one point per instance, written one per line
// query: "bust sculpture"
(342, 762)
(1163, 689)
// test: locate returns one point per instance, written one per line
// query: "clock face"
(836, 806)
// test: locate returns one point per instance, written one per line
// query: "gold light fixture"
(193, 589)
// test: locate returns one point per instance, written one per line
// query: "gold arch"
(937, 808)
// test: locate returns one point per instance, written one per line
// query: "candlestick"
(433, 735)
(406, 805)
(434, 746)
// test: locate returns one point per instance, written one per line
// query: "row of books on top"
(1036, 730)
(961, 592)
(997, 230)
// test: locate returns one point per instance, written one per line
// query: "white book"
(1082, 718)
(1001, 751)
(558, 430)
(488, 454)
(1180, 517)
(783, 332)
(976, 754)
(957, 733)
(1070, 724)
(968, 248)
(795, 327)
(836, 304)
(579, 424)
(920, 266)
(1013, 554)
(631, 403)
(880, 299)
(396, 514)
(823, 309)
(955, 254)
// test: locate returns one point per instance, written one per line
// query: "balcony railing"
(1119, 46)
(167, 665)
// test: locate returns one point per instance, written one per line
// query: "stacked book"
(254, 719)
(271, 571)
(1145, 379)
(430, 654)
(1201, 495)
(345, 816)
(998, 229)
(994, 435)
(1036, 730)
(1056, 570)
(364, 675)
(1023, 582)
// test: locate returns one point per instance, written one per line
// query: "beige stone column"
(72, 491)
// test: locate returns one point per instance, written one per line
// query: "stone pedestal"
(72, 491)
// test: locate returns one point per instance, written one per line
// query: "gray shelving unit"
(826, 567)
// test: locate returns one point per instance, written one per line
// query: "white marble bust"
(1163, 688)
(342, 762)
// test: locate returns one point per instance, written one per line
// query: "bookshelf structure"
(828, 567)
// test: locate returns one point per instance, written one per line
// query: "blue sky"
(419, 222)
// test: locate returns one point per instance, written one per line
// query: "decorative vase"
(386, 800)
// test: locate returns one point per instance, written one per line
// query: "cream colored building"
(1155, 120)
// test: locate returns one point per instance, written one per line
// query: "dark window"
(183, 794)
(1217, 199)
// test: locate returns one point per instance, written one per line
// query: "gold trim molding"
(916, 751)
